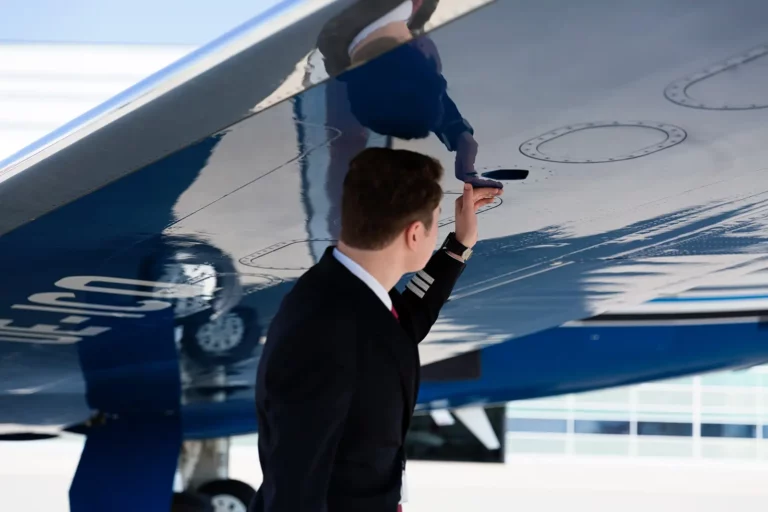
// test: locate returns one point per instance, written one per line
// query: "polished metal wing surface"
(631, 136)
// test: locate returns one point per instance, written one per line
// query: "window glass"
(601, 427)
(536, 425)
(659, 428)
(728, 430)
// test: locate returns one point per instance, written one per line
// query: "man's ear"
(413, 232)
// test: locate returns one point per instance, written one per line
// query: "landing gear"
(468, 434)
(228, 495)
(215, 329)
(203, 468)
(226, 340)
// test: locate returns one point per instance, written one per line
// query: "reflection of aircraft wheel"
(228, 495)
(191, 502)
(194, 262)
(231, 338)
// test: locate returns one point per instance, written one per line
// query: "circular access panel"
(747, 70)
(553, 146)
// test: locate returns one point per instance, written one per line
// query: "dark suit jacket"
(337, 385)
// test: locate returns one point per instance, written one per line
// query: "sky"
(188, 22)
(185, 24)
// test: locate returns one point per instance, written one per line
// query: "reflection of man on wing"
(395, 86)
(399, 94)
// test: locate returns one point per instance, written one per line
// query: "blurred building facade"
(714, 416)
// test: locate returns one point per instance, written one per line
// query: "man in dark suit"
(339, 374)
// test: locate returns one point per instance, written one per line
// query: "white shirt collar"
(365, 277)
(402, 12)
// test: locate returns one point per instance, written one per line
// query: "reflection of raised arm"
(452, 125)
(453, 130)
(458, 135)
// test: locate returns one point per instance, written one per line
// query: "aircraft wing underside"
(642, 134)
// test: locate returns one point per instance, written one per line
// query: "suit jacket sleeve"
(309, 385)
(452, 124)
(426, 293)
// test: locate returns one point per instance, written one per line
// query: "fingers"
(474, 198)
(488, 191)
(468, 197)
(482, 182)
(483, 197)
(484, 193)
(483, 202)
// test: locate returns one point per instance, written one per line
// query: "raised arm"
(427, 292)
(452, 125)
(429, 289)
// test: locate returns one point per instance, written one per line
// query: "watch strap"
(452, 245)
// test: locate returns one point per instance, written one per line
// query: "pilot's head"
(391, 203)
(398, 93)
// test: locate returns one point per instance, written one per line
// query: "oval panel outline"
(497, 201)
(251, 259)
(677, 91)
(674, 135)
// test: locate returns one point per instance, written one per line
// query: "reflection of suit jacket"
(336, 388)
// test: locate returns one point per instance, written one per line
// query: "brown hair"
(385, 190)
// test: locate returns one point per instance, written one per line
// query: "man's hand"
(466, 208)
(466, 153)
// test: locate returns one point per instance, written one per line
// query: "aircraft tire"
(228, 340)
(228, 495)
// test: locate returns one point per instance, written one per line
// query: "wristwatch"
(454, 246)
